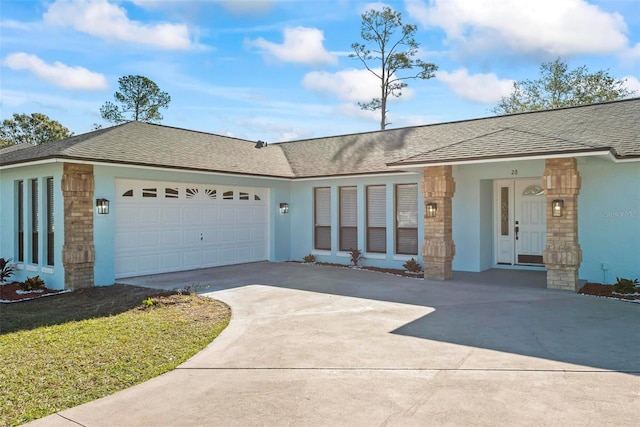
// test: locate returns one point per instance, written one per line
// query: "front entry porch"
(516, 223)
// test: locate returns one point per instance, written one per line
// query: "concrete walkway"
(312, 345)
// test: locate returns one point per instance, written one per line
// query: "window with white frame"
(34, 214)
(348, 218)
(407, 219)
(50, 250)
(20, 221)
(322, 218)
(376, 219)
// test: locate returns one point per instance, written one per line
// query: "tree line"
(388, 50)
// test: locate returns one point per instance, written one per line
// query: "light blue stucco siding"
(302, 218)
(473, 209)
(609, 220)
(104, 232)
(53, 275)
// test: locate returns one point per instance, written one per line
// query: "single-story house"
(556, 190)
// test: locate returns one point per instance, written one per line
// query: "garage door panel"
(243, 216)
(227, 255)
(126, 216)
(148, 239)
(210, 257)
(171, 238)
(171, 216)
(148, 216)
(227, 215)
(244, 234)
(149, 263)
(227, 235)
(191, 259)
(210, 236)
(191, 237)
(190, 227)
(171, 261)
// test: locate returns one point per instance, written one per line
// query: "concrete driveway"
(312, 345)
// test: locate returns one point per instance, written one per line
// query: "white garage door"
(164, 226)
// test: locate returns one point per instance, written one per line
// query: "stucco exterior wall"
(53, 276)
(609, 220)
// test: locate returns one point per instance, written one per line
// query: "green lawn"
(61, 351)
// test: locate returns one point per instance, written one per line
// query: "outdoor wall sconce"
(102, 206)
(557, 206)
(432, 209)
(284, 208)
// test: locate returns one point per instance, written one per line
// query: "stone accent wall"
(562, 253)
(78, 251)
(438, 248)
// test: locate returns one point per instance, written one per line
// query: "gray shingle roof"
(138, 143)
(613, 126)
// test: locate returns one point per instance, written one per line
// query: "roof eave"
(505, 158)
(62, 159)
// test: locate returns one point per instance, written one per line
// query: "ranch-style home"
(557, 191)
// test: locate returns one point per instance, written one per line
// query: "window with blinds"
(20, 220)
(376, 219)
(407, 219)
(322, 218)
(50, 224)
(34, 221)
(348, 218)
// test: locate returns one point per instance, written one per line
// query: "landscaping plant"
(413, 266)
(356, 256)
(626, 286)
(6, 269)
(34, 283)
(309, 258)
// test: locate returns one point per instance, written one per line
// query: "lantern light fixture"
(432, 210)
(284, 208)
(557, 206)
(102, 206)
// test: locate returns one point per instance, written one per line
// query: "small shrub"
(356, 256)
(625, 286)
(34, 283)
(413, 266)
(6, 269)
(309, 258)
(148, 302)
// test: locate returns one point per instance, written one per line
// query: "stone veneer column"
(78, 251)
(438, 249)
(562, 253)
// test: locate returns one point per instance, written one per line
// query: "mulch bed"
(600, 290)
(418, 274)
(9, 294)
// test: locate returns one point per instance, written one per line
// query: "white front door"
(520, 222)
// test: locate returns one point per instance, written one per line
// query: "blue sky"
(279, 70)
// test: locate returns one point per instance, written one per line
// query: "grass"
(62, 351)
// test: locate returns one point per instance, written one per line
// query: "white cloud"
(57, 73)
(300, 45)
(481, 88)
(551, 27)
(110, 22)
(352, 110)
(377, 5)
(632, 83)
(348, 85)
